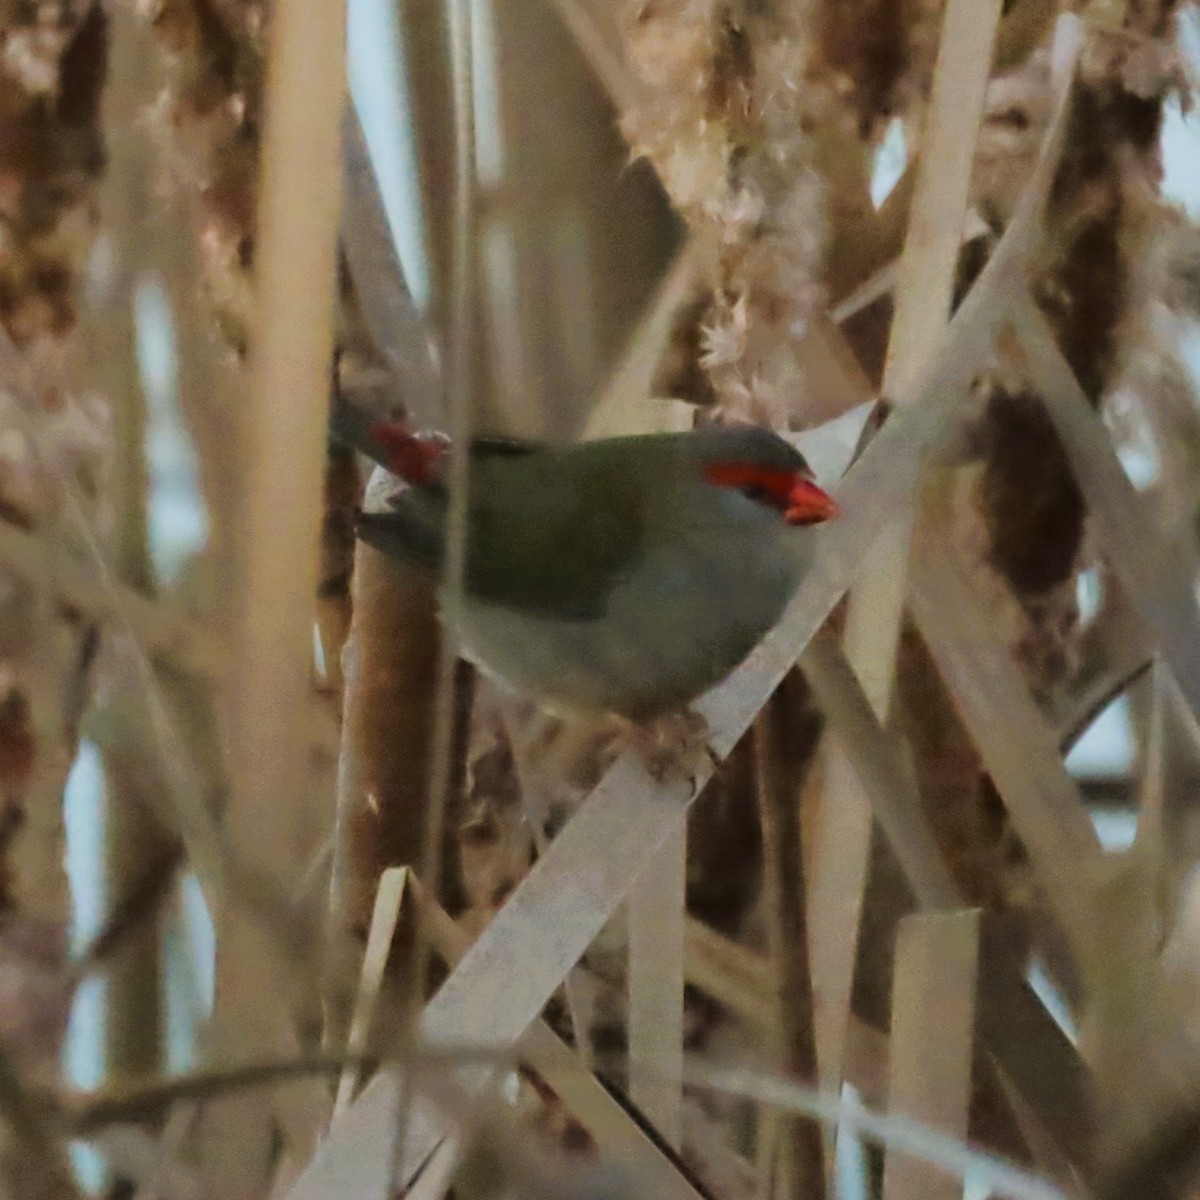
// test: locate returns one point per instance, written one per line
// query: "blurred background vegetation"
(219, 717)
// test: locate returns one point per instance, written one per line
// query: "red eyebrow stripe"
(776, 482)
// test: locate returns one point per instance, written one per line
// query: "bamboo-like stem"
(784, 736)
(459, 377)
(930, 1068)
(284, 457)
(657, 911)
(874, 613)
(132, 836)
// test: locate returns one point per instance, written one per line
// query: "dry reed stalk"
(427, 68)
(657, 912)
(616, 1134)
(297, 220)
(785, 734)
(397, 332)
(571, 236)
(388, 899)
(390, 663)
(596, 30)
(166, 633)
(930, 1065)
(926, 274)
(1001, 716)
(133, 835)
(444, 776)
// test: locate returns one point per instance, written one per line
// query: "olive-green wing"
(551, 531)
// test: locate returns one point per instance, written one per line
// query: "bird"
(624, 576)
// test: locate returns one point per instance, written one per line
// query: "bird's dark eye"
(757, 493)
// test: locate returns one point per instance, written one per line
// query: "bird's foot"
(675, 746)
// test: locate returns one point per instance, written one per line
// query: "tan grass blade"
(625, 405)
(387, 305)
(740, 978)
(1019, 750)
(657, 911)
(1150, 575)
(924, 287)
(743, 981)
(437, 1176)
(389, 896)
(163, 632)
(882, 773)
(593, 25)
(988, 1171)
(614, 1130)
(925, 280)
(936, 960)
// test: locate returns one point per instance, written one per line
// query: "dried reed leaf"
(657, 910)
(437, 1175)
(161, 631)
(593, 25)
(1034, 1057)
(616, 1134)
(987, 1171)
(1153, 578)
(366, 1165)
(924, 282)
(936, 957)
(1114, 652)
(1018, 748)
(397, 328)
(388, 898)
(886, 780)
(742, 980)
(624, 405)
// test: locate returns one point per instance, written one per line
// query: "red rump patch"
(415, 458)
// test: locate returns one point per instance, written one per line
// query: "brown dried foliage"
(211, 118)
(51, 157)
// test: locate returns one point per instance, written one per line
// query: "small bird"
(625, 576)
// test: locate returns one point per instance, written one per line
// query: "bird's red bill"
(808, 504)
